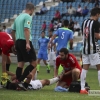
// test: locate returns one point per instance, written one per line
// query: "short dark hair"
(64, 50)
(43, 32)
(50, 31)
(66, 22)
(95, 11)
(29, 6)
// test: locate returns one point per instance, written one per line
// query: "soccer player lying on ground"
(33, 84)
(6, 47)
(71, 68)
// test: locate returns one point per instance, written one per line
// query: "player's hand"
(28, 47)
(49, 45)
(13, 50)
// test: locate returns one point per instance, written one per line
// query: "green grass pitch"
(48, 93)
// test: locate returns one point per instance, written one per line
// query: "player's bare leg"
(75, 74)
(48, 67)
(33, 73)
(50, 81)
(38, 65)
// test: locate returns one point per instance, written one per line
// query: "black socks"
(27, 70)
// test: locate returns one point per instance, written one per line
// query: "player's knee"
(75, 74)
(29, 76)
(75, 71)
(47, 82)
(21, 64)
(34, 63)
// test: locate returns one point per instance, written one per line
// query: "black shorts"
(22, 54)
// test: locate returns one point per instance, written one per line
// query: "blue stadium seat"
(73, 4)
(60, 4)
(99, 42)
(79, 45)
(75, 49)
(86, 4)
(78, 49)
(77, 18)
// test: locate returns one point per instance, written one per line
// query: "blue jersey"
(64, 35)
(43, 44)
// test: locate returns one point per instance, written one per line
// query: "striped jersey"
(89, 28)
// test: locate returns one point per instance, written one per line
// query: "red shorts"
(68, 79)
(3, 53)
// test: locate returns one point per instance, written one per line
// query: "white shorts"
(51, 56)
(93, 59)
(36, 84)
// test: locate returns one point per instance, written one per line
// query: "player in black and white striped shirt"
(90, 32)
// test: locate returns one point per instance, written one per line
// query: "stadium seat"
(73, 4)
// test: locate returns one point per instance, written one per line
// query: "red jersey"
(69, 63)
(6, 42)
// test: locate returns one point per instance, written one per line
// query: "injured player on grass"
(32, 84)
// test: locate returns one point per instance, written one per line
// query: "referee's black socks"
(7, 67)
(27, 70)
(18, 72)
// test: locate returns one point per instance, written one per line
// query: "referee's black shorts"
(22, 54)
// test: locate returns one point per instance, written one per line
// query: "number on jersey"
(62, 35)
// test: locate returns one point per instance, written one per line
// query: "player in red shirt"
(71, 68)
(6, 44)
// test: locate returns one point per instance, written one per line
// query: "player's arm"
(13, 35)
(27, 35)
(27, 27)
(39, 43)
(57, 67)
(71, 44)
(52, 38)
(56, 71)
(54, 47)
(71, 40)
(13, 32)
(96, 29)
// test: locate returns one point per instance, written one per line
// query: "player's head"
(42, 34)
(63, 53)
(66, 23)
(30, 8)
(95, 12)
(50, 33)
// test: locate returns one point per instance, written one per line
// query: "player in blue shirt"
(65, 35)
(42, 53)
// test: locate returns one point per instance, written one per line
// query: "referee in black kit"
(90, 56)
(23, 44)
